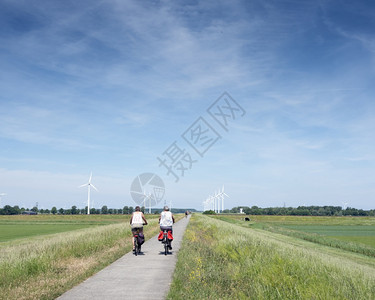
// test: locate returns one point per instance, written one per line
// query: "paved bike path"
(146, 276)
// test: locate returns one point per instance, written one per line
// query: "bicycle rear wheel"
(136, 246)
(165, 247)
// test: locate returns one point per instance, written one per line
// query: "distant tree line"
(302, 211)
(16, 210)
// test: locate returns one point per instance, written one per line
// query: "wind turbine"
(89, 185)
(145, 197)
(217, 202)
(1, 195)
(222, 198)
(149, 197)
(218, 198)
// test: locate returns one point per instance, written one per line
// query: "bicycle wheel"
(165, 245)
(136, 249)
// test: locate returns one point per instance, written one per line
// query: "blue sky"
(108, 86)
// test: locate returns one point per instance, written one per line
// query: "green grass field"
(363, 234)
(222, 257)
(326, 230)
(12, 231)
(18, 227)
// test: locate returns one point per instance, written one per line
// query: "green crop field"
(363, 234)
(21, 226)
(12, 231)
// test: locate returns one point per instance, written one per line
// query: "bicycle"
(137, 246)
(166, 241)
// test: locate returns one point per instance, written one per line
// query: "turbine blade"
(94, 187)
(83, 185)
(90, 177)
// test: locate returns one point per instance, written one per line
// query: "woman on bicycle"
(137, 221)
(166, 221)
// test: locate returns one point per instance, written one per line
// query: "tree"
(17, 209)
(131, 209)
(104, 210)
(61, 211)
(34, 209)
(74, 210)
(9, 210)
(125, 210)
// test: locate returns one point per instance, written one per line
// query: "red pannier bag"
(170, 237)
(160, 237)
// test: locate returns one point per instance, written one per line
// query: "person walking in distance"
(166, 221)
(137, 221)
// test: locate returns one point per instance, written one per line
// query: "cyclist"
(136, 221)
(166, 221)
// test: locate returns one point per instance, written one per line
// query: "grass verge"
(219, 260)
(46, 266)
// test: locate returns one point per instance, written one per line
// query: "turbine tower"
(216, 202)
(89, 185)
(223, 195)
(149, 203)
(149, 197)
(145, 197)
(217, 199)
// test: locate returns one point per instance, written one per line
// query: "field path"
(146, 276)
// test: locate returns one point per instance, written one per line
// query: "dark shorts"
(135, 229)
(166, 228)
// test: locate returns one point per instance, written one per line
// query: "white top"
(137, 218)
(166, 218)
